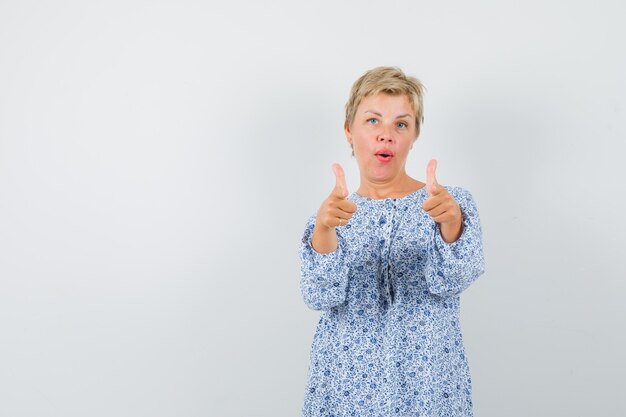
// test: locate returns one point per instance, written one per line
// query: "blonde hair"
(390, 80)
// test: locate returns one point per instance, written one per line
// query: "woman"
(385, 266)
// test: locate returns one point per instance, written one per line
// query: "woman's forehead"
(385, 104)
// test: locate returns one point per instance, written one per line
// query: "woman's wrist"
(324, 239)
(451, 231)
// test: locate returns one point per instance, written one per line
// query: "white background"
(159, 159)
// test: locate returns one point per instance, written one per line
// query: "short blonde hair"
(390, 80)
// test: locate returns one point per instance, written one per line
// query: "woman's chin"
(381, 174)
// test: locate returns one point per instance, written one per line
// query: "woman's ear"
(346, 130)
(413, 143)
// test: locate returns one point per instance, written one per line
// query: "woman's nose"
(385, 135)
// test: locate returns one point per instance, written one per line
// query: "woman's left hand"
(441, 206)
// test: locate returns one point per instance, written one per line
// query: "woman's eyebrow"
(380, 115)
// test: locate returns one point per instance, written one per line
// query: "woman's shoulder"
(458, 191)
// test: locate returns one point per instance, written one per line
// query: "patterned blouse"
(388, 342)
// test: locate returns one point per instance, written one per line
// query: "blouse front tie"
(387, 223)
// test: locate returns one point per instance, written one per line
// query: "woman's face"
(382, 133)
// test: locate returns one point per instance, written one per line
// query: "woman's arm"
(452, 267)
(323, 276)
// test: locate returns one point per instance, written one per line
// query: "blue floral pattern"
(388, 342)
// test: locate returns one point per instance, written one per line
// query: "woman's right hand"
(335, 211)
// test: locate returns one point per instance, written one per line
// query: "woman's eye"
(401, 125)
(372, 121)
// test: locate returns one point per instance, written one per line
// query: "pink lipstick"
(384, 155)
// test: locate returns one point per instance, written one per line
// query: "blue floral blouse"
(388, 342)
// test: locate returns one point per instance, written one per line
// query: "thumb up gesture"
(441, 206)
(335, 211)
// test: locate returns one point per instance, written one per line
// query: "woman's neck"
(396, 188)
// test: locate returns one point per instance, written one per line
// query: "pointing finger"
(347, 206)
(340, 181)
(431, 181)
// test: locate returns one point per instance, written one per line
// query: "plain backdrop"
(159, 160)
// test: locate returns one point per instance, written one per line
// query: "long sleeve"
(324, 276)
(452, 267)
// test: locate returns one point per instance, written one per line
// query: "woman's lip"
(383, 159)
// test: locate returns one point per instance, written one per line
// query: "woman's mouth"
(384, 156)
